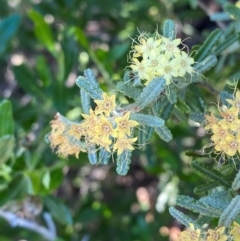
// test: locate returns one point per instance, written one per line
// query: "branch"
(15, 221)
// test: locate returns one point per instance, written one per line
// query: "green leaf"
(80, 37)
(26, 79)
(164, 133)
(230, 213)
(92, 89)
(104, 156)
(148, 120)
(150, 93)
(206, 187)
(44, 71)
(6, 118)
(58, 209)
(218, 200)
(236, 182)
(8, 28)
(46, 180)
(171, 93)
(42, 30)
(226, 43)
(196, 206)
(206, 64)
(182, 218)
(129, 89)
(182, 106)
(7, 144)
(210, 174)
(224, 95)
(88, 73)
(85, 101)
(92, 157)
(232, 10)
(208, 44)
(169, 30)
(198, 117)
(123, 162)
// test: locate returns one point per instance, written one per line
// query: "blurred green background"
(44, 46)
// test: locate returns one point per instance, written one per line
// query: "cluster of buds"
(225, 128)
(159, 57)
(218, 234)
(102, 128)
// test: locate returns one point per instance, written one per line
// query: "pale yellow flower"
(235, 232)
(170, 46)
(123, 143)
(236, 101)
(190, 235)
(142, 69)
(217, 235)
(106, 105)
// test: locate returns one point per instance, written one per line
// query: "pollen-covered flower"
(235, 232)
(124, 125)
(123, 143)
(217, 235)
(190, 235)
(107, 105)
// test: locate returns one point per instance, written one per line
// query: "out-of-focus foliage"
(44, 46)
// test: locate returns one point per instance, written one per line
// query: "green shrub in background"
(51, 198)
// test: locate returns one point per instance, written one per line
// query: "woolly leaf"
(210, 174)
(232, 10)
(7, 143)
(218, 200)
(171, 93)
(205, 187)
(6, 118)
(196, 206)
(123, 162)
(230, 213)
(206, 64)
(151, 93)
(129, 89)
(92, 89)
(85, 101)
(148, 120)
(92, 157)
(207, 46)
(236, 182)
(164, 133)
(169, 29)
(182, 218)
(226, 43)
(182, 106)
(104, 156)
(224, 95)
(197, 117)
(165, 113)
(201, 220)
(88, 73)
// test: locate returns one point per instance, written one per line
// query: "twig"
(15, 221)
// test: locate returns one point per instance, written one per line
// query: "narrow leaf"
(92, 157)
(236, 182)
(148, 120)
(123, 163)
(210, 174)
(104, 156)
(206, 187)
(88, 73)
(182, 218)
(128, 89)
(198, 117)
(230, 213)
(169, 29)
(85, 101)
(151, 93)
(6, 118)
(224, 95)
(164, 133)
(93, 90)
(7, 144)
(206, 64)
(207, 46)
(182, 106)
(171, 93)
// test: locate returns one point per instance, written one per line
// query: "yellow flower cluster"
(226, 128)
(102, 128)
(218, 234)
(159, 57)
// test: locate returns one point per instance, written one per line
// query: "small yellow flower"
(211, 121)
(107, 105)
(190, 235)
(170, 46)
(76, 130)
(124, 125)
(217, 235)
(232, 145)
(235, 232)
(219, 132)
(104, 128)
(230, 118)
(123, 143)
(142, 69)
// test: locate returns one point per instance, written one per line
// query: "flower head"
(123, 143)
(217, 235)
(106, 105)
